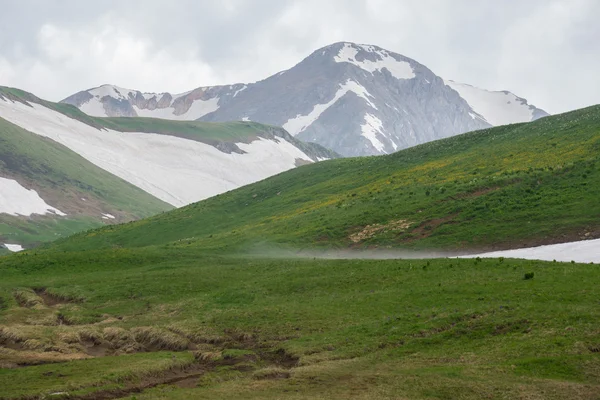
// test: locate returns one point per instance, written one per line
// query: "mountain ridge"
(354, 99)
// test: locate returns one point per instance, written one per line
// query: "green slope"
(177, 319)
(63, 178)
(513, 185)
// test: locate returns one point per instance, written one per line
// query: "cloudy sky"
(547, 51)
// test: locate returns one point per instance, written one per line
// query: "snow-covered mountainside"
(113, 101)
(354, 99)
(499, 107)
(176, 170)
(62, 171)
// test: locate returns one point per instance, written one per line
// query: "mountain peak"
(356, 99)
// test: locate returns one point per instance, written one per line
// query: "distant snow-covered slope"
(114, 101)
(497, 107)
(352, 98)
(176, 170)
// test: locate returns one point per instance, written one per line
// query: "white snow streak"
(14, 247)
(17, 200)
(370, 129)
(498, 108)
(107, 216)
(176, 170)
(584, 252)
(300, 122)
(240, 90)
(398, 69)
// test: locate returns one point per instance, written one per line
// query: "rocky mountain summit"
(354, 99)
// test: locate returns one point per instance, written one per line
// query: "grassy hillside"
(509, 186)
(67, 181)
(176, 306)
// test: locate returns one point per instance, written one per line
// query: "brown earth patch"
(426, 228)
(50, 299)
(278, 363)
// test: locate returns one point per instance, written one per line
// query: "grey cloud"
(546, 51)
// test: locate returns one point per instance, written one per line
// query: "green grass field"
(209, 301)
(244, 327)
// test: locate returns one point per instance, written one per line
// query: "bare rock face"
(351, 98)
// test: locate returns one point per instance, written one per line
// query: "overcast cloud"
(547, 51)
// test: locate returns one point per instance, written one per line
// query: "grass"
(190, 304)
(515, 185)
(310, 328)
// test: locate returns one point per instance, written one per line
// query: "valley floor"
(167, 323)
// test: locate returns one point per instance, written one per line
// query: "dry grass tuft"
(90, 335)
(153, 338)
(12, 334)
(208, 355)
(69, 336)
(13, 358)
(28, 298)
(114, 334)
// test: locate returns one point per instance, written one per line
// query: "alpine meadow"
(233, 297)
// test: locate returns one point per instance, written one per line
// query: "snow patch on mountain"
(17, 200)
(15, 248)
(398, 69)
(300, 122)
(175, 170)
(583, 251)
(497, 108)
(370, 129)
(93, 107)
(240, 90)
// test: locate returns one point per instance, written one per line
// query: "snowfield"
(583, 252)
(398, 69)
(17, 200)
(175, 170)
(497, 108)
(14, 247)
